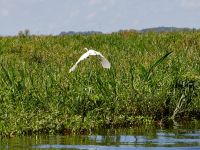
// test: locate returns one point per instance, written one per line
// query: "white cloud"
(102, 2)
(91, 16)
(95, 2)
(136, 22)
(190, 4)
(74, 13)
(97, 8)
(4, 12)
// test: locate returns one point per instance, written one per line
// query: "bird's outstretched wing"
(105, 63)
(84, 56)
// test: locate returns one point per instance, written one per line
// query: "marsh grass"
(146, 82)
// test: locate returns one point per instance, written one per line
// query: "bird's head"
(86, 49)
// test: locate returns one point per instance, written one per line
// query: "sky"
(55, 16)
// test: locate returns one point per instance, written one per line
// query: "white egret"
(105, 63)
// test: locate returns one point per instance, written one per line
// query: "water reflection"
(111, 139)
(160, 138)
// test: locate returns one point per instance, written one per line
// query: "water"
(121, 139)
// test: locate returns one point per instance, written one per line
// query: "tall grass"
(144, 84)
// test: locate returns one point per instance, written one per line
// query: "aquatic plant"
(146, 82)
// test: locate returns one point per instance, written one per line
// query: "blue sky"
(54, 16)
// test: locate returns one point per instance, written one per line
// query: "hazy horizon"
(53, 17)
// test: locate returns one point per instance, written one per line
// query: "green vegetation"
(153, 77)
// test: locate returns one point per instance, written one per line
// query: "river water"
(142, 138)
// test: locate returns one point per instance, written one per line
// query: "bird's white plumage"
(105, 63)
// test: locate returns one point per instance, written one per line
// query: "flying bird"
(105, 63)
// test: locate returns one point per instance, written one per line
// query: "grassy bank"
(145, 82)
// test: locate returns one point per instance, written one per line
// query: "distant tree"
(81, 33)
(24, 33)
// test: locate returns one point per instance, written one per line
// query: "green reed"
(145, 83)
